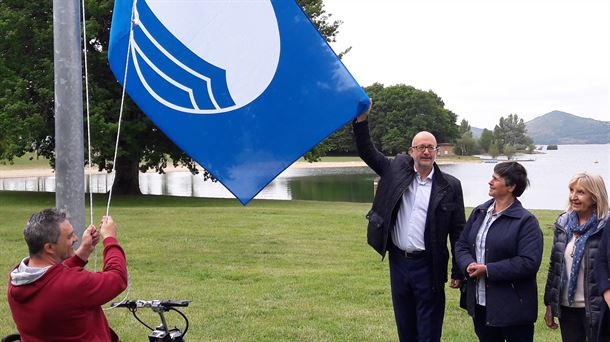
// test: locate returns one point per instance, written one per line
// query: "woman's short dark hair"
(42, 228)
(513, 174)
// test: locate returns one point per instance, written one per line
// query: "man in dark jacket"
(416, 207)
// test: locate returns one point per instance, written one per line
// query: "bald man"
(416, 207)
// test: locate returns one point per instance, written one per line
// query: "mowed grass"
(270, 271)
(27, 161)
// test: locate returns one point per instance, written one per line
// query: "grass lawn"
(27, 161)
(270, 271)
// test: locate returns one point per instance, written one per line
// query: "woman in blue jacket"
(500, 251)
(571, 291)
(603, 284)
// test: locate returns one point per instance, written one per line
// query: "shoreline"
(47, 172)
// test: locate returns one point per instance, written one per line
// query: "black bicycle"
(162, 333)
(11, 338)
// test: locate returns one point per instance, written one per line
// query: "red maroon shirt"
(64, 304)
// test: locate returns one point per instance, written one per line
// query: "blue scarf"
(584, 231)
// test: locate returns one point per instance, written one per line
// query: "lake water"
(549, 175)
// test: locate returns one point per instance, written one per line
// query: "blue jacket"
(513, 254)
(602, 267)
(602, 274)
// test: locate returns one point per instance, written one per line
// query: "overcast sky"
(484, 58)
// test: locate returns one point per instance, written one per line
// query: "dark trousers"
(573, 325)
(604, 325)
(418, 310)
(513, 333)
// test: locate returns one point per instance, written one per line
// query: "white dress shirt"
(408, 233)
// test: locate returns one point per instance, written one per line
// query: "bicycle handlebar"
(138, 303)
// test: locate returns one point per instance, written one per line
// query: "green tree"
(26, 92)
(511, 131)
(510, 151)
(465, 128)
(342, 141)
(400, 111)
(394, 141)
(2, 145)
(26, 86)
(466, 145)
(494, 151)
(486, 139)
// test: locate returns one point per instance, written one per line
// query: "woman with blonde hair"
(571, 292)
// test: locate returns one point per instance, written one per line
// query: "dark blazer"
(445, 211)
(513, 254)
(594, 250)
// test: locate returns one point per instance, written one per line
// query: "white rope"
(88, 124)
(118, 133)
(116, 147)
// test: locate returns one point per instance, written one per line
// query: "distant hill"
(563, 128)
(476, 132)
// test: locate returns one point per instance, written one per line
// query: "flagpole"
(69, 150)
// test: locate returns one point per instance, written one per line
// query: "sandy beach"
(19, 173)
(11, 172)
(8, 172)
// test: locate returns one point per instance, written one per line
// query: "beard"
(66, 254)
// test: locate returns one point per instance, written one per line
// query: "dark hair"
(513, 174)
(42, 228)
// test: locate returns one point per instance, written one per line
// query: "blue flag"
(243, 87)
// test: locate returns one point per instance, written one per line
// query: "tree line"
(400, 111)
(508, 137)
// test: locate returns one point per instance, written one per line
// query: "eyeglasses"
(422, 148)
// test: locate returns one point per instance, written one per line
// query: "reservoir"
(549, 174)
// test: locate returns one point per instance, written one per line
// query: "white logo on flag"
(242, 38)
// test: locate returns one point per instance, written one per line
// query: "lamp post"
(69, 151)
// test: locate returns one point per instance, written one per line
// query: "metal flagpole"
(69, 150)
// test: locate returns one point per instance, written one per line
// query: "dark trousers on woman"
(418, 309)
(604, 326)
(513, 333)
(573, 325)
